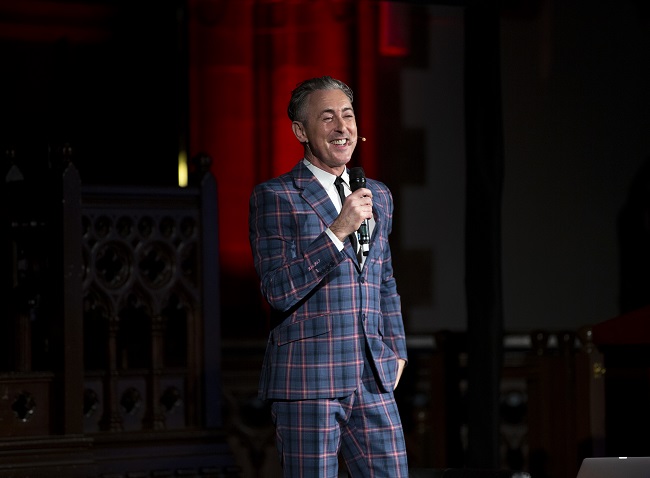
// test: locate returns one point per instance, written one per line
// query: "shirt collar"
(325, 178)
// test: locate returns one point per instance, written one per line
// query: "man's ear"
(299, 131)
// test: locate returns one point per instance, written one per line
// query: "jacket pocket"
(304, 329)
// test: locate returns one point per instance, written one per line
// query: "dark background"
(130, 85)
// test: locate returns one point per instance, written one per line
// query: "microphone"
(358, 180)
(362, 138)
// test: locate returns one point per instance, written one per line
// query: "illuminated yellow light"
(182, 169)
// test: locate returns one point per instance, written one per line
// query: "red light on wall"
(393, 29)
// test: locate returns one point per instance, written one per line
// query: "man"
(337, 347)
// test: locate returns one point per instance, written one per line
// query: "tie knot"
(338, 183)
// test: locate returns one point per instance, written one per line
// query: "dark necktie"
(338, 182)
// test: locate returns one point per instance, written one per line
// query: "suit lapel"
(317, 198)
(313, 194)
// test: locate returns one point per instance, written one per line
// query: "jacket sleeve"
(290, 260)
(391, 308)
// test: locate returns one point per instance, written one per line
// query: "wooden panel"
(25, 405)
(114, 370)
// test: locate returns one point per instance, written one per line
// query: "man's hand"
(356, 208)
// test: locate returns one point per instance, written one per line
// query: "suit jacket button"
(362, 279)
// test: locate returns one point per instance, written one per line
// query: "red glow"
(393, 37)
(245, 58)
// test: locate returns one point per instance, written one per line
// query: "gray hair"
(299, 95)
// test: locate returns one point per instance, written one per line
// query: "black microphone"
(358, 180)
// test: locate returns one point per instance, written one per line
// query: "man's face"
(331, 130)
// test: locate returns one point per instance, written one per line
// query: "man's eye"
(327, 118)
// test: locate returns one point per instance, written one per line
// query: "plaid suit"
(335, 325)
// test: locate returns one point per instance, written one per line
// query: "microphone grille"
(357, 178)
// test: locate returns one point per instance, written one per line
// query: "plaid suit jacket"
(326, 310)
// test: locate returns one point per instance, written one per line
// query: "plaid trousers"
(364, 427)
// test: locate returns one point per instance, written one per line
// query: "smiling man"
(337, 347)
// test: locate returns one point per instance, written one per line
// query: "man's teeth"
(340, 141)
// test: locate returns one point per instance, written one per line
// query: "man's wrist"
(337, 242)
